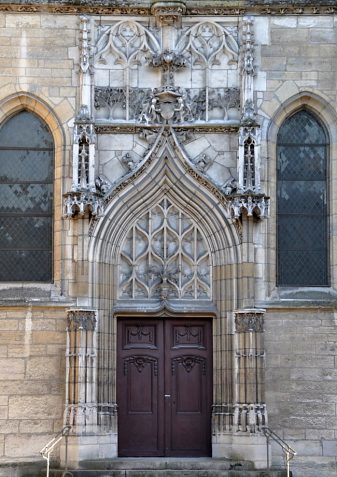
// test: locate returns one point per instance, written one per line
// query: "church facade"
(168, 228)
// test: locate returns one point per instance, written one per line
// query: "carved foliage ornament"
(249, 322)
(188, 363)
(179, 105)
(81, 320)
(140, 362)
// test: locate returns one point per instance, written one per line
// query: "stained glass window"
(26, 199)
(302, 202)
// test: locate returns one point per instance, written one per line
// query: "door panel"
(140, 387)
(164, 387)
(188, 377)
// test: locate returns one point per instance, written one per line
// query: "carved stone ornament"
(82, 203)
(167, 104)
(165, 256)
(178, 105)
(169, 62)
(257, 204)
(250, 418)
(102, 7)
(168, 13)
(248, 116)
(250, 321)
(242, 417)
(81, 320)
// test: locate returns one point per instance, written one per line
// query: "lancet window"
(26, 199)
(302, 147)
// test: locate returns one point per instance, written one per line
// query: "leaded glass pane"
(302, 128)
(25, 232)
(302, 162)
(302, 204)
(25, 130)
(302, 197)
(26, 165)
(25, 265)
(26, 198)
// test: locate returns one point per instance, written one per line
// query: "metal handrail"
(289, 452)
(48, 448)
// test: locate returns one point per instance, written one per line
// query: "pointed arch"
(20, 102)
(324, 116)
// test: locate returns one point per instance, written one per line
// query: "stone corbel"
(251, 204)
(81, 356)
(168, 13)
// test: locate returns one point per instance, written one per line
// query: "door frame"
(169, 315)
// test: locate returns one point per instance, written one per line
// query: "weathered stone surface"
(28, 407)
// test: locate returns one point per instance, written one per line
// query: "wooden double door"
(164, 387)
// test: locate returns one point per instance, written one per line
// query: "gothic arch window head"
(302, 147)
(26, 199)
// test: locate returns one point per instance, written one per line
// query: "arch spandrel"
(166, 171)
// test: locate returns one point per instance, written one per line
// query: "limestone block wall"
(37, 57)
(32, 370)
(301, 383)
(298, 59)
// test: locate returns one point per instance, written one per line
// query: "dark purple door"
(164, 387)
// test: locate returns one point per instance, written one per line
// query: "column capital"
(250, 320)
(81, 319)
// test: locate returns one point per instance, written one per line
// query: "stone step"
(165, 463)
(166, 467)
(168, 473)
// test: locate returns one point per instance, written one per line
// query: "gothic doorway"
(164, 387)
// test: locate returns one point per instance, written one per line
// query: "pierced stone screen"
(26, 197)
(164, 256)
(302, 204)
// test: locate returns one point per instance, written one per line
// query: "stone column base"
(87, 447)
(241, 446)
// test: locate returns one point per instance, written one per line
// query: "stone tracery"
(165, 256)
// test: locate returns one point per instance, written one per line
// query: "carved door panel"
(140, 388)
(188, 376)
(164, 387)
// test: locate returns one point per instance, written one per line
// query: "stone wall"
(37, 57)
(301, 382)
(32, 370)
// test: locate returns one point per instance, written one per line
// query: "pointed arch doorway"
(164, 360)
(164, 386)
